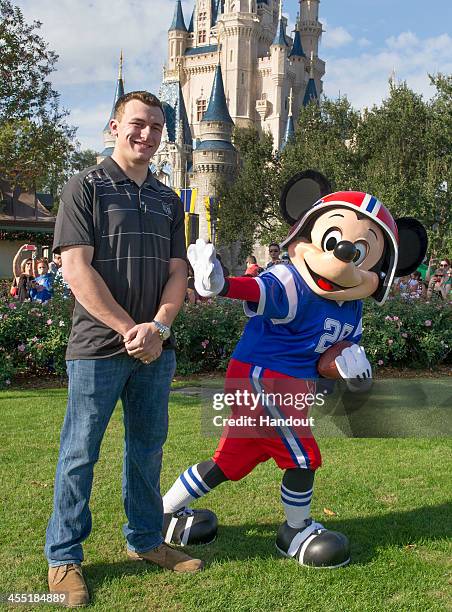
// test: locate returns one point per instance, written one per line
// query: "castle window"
(230, 57)
(243, 78)
(201, 106)
(202, 36)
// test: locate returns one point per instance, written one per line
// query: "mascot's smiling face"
(336, 259)
(346, 245)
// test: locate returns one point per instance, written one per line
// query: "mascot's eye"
(361, 252)
(330, 239)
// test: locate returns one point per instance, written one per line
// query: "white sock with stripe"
(188, 487)
(297, 506)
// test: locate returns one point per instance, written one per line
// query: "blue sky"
(364, 41)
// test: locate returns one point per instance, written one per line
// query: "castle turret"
(215, 157)
(278, 58)
(290, 127)
(109, 140)
(311, 89)
(177, 37)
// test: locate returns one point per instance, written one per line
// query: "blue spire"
(119, 91)
(290, 132)
(178, 19)
(280, 36)
(191, 27)
(311, 92)
(217, 109)
(297, 47)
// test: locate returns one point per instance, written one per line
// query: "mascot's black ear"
(301, 192)
(412, 245)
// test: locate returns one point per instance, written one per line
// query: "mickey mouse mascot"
(343, 247)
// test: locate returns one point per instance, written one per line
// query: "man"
(55, 264)
(274, 252)
(121, 237)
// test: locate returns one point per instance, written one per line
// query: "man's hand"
(209, 277)
(143, 342)
(354, 367)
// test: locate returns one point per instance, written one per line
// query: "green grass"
(390, 496)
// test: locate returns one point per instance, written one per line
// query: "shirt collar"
(118, 175)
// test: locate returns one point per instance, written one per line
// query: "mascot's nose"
(345, 251)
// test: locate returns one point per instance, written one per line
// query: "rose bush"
(33, 336)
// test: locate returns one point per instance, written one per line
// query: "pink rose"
(380, 362)
(428, 323)
(49, 321)
(390, 341)
(12, 306)
(404, 335)
(204, 343)
(21, 348)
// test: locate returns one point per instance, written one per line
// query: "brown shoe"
(69, 579)
(169, 558)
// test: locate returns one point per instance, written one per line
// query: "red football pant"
(240, 449)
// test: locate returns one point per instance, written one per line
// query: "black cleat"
(186, 527)
(314, 545)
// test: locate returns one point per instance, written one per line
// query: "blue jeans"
(95, 385)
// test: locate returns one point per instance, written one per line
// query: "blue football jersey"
(292, 326)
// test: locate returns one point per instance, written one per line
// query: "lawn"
(390, 496)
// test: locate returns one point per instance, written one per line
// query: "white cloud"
(364, 77)
(364, 42)
(336, 37)
(88, 36)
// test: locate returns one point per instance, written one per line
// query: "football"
(326, 365)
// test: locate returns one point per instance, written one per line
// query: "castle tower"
(278, 54)
(177, 37)
(109, 140)
(237, 33)
(215, 158)
(311, 32)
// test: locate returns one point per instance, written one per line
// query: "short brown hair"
(143, 96)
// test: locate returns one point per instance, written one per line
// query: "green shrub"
(33, 336)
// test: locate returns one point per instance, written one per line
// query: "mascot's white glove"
(209, 277)
(354, 367)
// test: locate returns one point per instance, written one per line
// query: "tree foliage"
(36, 143)
(248, 206)
(400, 151)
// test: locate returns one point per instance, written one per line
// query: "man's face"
(57, 260)
(138, 132)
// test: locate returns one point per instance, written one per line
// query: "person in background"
(285, 258)
(42, 286)
(415, 286)
(274, 252)
(252, 269)
(436, 266)
(55, 264)
(23, 274)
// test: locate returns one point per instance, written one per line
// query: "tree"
(248, 206)
(82, 159)
(36, 143)
(324, 141)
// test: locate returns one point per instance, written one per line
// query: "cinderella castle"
(234, 64)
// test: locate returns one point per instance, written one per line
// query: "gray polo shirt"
(134, 231)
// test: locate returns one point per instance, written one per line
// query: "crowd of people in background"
(434, 281)
(34, 277)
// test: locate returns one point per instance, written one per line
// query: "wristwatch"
(164, 330)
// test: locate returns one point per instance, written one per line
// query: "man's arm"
(143, 341)
(90, 289)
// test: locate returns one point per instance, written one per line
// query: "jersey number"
(336, 332)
